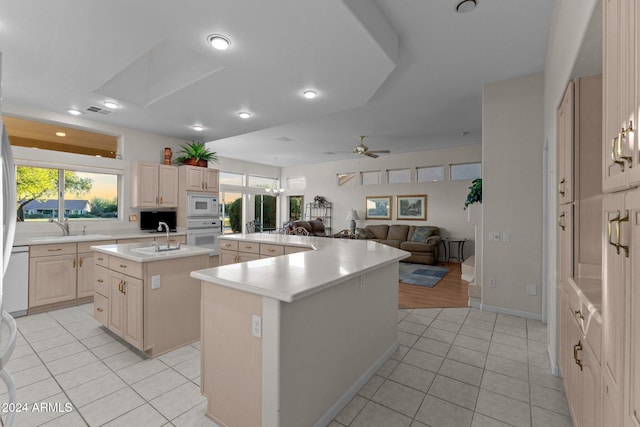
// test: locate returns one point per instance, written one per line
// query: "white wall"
(445, 200)
(513, 138)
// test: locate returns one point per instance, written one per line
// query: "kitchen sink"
(76, 238)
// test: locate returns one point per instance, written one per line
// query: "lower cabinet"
(235, 251)
(125, 313)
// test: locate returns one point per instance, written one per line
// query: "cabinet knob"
(100, 281)
(123, 266)
(99, 309)
(54, 250)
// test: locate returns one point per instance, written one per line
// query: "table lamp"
(352, 216)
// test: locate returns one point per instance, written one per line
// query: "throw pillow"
(363, 233)
(421, 234)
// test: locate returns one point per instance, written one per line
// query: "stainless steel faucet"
(64, 225)
(166, 227)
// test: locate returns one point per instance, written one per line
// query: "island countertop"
(290, 277)
(142, 252)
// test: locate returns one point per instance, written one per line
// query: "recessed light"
(111, 104)
(244, 114)
(218, 41)
(74, 112)
(197, 128)
(310, 94)
(61, 134)
(466, 6)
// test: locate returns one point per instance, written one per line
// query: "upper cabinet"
(621, 44)
(199, 179)
(565, 147)
(154, 185)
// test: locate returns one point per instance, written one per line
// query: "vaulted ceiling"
(407, 74)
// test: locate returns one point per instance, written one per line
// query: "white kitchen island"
(288, 340)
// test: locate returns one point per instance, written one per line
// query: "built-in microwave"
(202, 205)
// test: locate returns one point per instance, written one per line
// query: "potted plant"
(475, 192)
(196, 154)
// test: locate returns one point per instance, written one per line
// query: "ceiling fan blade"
(370, 154)
(380, 151)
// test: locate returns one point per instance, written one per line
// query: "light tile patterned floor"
(455, 367)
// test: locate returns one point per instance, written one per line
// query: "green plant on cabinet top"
(196, 154)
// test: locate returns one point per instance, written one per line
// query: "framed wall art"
(378, 207)
(412, 207)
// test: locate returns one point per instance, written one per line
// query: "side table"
(448, 253)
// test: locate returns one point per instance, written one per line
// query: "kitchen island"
(147, 297)
(288, 340)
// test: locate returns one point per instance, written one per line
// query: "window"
(347, 179)
(296, 183)
(86, 195)
(371, 178)
(262, 182)
(466, 171)
(430, 174)
(265, 212)
(399, 176)
(231, 212)
(295, 208)
(230, 178)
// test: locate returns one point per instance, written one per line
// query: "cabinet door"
(632, 363)
(86, 274)
(193, 178)
(574, 375)
(52, 279)
(168, 186)
(211, 180)
(613, 300)
(565, 242)
(243, 256)
(133, 321)
(228, 257)
(116, 304)
(591, 405)
(146, 181)
(566, 146)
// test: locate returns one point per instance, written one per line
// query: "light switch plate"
(532, 290)
(155, 282)
(256, 326)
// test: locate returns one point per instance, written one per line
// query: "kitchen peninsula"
(279, 332)
(146, 296)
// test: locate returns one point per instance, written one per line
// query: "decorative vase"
(167, 156)
(194, 162)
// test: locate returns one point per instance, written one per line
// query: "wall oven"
(204, 233)
(201, 205)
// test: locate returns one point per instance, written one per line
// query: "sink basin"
(77, 238)
(151, 250)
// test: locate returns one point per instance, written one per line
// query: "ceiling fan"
(363, 150)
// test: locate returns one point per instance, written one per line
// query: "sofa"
(313, 227)
(422, 241)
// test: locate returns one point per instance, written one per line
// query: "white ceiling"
(406, 73)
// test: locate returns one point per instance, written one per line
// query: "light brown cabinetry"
(125, 315)
(232, 251)
(566, 146)
(154, 185)
(199, 179)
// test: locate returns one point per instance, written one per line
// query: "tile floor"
(455, 367)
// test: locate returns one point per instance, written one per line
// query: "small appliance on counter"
(149, 220)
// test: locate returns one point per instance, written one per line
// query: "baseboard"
(512, 312)
(467, 277)
(475, 303)
(335, 409)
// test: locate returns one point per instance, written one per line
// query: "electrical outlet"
(506, 236)
(155, 282)
(133, 218)
(532, 289)
(492, 282)
(494, 237)
(256, 326)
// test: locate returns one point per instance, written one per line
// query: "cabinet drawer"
(101, 259)
(86, 246)
(249, 247)
(101, 285)
(48, 250)
(228, 245)
(271, 250)
(294, 249)
(130, 268)
(101, 309)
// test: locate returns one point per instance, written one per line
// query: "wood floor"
(451, 291)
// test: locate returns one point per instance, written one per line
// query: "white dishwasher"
(15, 290)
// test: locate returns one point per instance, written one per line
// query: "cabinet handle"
(80, 261)
(160, 199)
(54, 250)
(100, 259)
(561, 222)
(100, 281)
(99, 309)
(123, 266)
(124, 290)
(120, 286)
(609, 232)
(576, 349)
(73, 263)
(618, 226)
(623, 133)
(561, 187)
(620, 163)
(271, 250)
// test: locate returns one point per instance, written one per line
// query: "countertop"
(291, 277)
(26, 240)
(130, 252)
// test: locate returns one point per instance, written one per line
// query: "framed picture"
(378, 207)
(412, 207)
